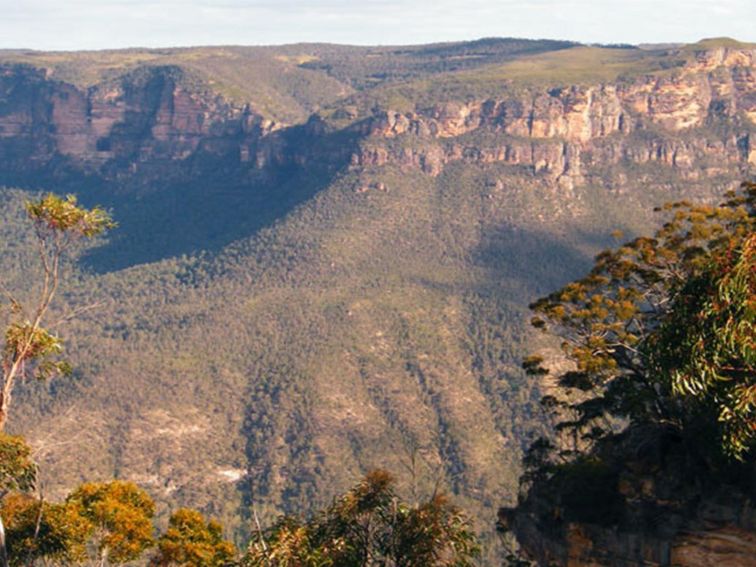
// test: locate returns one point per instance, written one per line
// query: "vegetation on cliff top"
(717, 42)
(288, 83)
(285, 83)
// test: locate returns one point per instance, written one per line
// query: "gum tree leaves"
(661, 331)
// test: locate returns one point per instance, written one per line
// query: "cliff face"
(151, 116)
(719, 82)
(594, 546)
(147, 116)
(562, 130)
(657, 508)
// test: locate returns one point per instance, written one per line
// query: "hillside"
(325, 253)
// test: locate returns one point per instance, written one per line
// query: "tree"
(661, 332)
(41, 530)
(706, 346)
(18, 471)
(433, 533)
(192, 540)
(120, 514)
(368, 526)
(29, 348)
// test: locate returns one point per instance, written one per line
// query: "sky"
(103, 24)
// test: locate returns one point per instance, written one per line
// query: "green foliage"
(120, 515)
(369, 525)
(34, 529)
(191, 540)
(661, 329)
(26, 343)
(64, 216)
(707, 345)
(434, 533)
(18, 471)
(719, 42)
(28, 346)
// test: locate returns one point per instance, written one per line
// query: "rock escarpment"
(642, 501)
(665, 119)
(162, 118)
(149, 115)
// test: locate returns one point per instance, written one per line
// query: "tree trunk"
(3, 410)
(9, 376)
(3, 550)
(103, 557)
(37, 526)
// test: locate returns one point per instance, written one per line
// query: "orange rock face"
(727, 546)
(153, 118)
(658, 509)
(556, 131)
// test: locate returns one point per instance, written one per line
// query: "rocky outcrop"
(722, 82)
(558, 131)
(158, 119)
(660, 508)
(588, 546)
(148, 115)
(567, 162)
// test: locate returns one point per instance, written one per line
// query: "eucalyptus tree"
(662, 331)
(31, 349)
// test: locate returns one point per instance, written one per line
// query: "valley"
(325, 253)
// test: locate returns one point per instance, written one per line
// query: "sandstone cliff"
(161, 115)
(559, 131)
(148, 115)
(646, 502)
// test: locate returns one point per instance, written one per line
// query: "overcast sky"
(98, 24)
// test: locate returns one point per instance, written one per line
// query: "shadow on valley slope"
(531, 263)
(197, 205)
